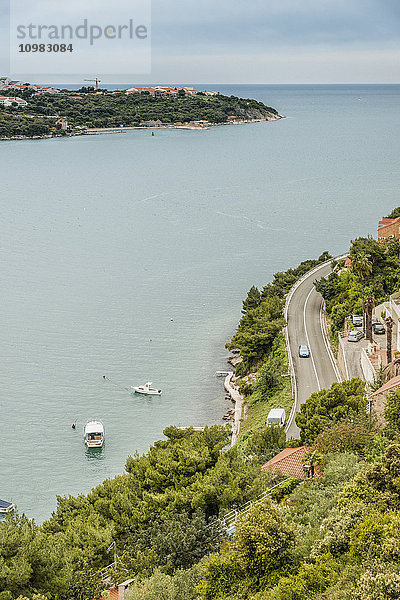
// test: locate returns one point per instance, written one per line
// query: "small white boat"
(146, 389)
(6, 507)
(94, 434)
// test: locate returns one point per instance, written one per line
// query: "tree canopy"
(325, 408)
(161, 513)
(375, 271)
(394, 214)
(113, 109)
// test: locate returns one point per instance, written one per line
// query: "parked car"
(357, 320)
(304, 351)
(378, 328)
(276, 416)
(355, 336)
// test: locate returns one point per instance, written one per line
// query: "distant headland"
(34, 111)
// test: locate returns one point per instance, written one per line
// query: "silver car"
(357, 320)
(355, 336)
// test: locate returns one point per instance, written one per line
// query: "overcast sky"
(267, 41)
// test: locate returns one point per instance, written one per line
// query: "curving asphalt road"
(305, 326)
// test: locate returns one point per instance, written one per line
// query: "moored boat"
(6, 507)
(146, 389)
(94, 434)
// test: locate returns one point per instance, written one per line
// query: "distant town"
(7, 84)
(32, 110)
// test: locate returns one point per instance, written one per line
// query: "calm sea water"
(128, 255)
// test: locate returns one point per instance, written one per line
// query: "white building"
(4, 81)
(63, 123)
(8, 101)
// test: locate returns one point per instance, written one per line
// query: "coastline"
(190, 126)
(112, 130)
(251, 407)
(237, 398)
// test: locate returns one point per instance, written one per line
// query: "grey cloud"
(271, 23)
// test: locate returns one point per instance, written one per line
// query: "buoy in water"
(73, 425)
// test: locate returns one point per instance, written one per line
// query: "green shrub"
(181, 586)
(344, 437)
(309, 580)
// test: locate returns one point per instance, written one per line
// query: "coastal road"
(305, 325)
(353, 356)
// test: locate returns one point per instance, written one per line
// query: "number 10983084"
(45, 48)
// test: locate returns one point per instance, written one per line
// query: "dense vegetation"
(262, 319)
(334, 537)
(375, 271)
(263, 370)
(111, 109)
(160, 514)
(14, 124)
(323, 409)
(394, 214)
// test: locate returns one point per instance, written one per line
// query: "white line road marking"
(327, 345)
(288, 344)
(308, 340)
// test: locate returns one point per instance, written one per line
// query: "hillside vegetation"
(333, 537)
(111, 109)
(160, 514)
(13, 124)
(374, 271)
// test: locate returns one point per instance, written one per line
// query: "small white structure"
(6, 507)
(63, 123)
(146, 389)
(4, 81)
(94, 434)
(123, 589)
(276, 416)
(8, 101)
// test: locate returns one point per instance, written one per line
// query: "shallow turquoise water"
(107, 238)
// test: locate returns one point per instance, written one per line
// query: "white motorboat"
(6, 507)
(146, 389)
(94, 434)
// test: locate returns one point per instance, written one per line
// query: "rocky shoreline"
(110, 130)
(232, 393)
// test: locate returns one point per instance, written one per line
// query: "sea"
(128, 256)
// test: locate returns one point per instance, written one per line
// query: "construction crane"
(96, 81)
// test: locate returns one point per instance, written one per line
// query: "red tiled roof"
(392, 383)
(385, 222)
(289, 462)
(112, 594)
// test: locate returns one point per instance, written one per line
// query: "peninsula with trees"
(32, 111)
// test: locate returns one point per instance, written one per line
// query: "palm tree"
(362, 267)
(310, 460)
(389, 326)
